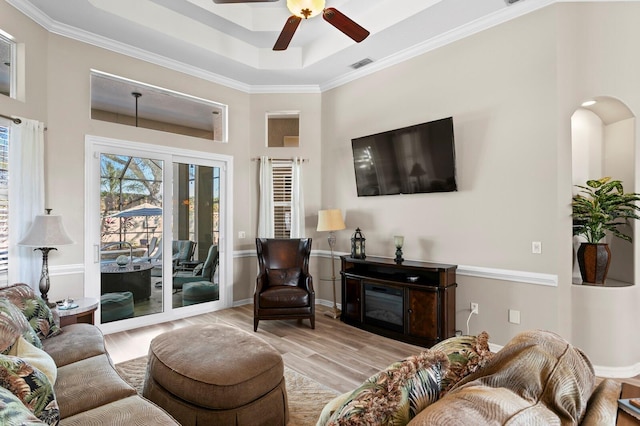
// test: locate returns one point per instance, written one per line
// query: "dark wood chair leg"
(255, 324)
(313, 323)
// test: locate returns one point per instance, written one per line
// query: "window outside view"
(131, 252)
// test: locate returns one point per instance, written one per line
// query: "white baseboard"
(242, 302)
(617, 372)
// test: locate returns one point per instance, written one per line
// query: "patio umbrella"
(143, 210)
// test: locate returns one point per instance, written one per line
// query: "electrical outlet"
(242, 234)
(536, 247)
(475, 308)
(514, 316)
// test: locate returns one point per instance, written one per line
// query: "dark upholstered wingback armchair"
(284, 288)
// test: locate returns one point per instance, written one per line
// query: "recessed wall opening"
(133, 103)
(283, 129)
(603, 144)
(8, 64)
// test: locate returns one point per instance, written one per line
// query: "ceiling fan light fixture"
(306, 8)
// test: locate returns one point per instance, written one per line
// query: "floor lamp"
(331, 220)
(46, 232)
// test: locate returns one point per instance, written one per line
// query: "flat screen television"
(410, 160)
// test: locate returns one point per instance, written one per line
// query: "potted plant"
(599, 208)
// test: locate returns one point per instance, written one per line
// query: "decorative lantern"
(398, 241)
(357, 245)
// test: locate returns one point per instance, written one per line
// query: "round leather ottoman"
(116, 306)
(198, 292)
(216, 375)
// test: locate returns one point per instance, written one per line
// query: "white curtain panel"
(297, 200)
(265, 213)
(26, 198)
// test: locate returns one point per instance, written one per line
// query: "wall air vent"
(361, 63)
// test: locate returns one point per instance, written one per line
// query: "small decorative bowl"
(122, 260)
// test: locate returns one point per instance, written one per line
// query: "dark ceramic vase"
(594, 260)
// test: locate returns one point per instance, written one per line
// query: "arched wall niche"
(603, 139)
(603, 144)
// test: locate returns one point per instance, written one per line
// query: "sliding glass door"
(131, 229)
(156, 225)
(196, 224)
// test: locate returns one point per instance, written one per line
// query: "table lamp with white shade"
(46, 232)
(331, 220)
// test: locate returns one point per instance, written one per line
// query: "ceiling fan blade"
(240, 1)
(345, 24)
(287, 33)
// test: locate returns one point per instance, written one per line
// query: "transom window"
(7, 65)
(133, 103)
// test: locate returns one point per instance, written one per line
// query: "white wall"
(58, 85)
(619, 163)
(597, 41)
(511, 90)
(587, 146)
(506, 197)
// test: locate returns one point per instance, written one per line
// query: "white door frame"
(96, 145)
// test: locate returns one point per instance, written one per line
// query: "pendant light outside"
(136, 95)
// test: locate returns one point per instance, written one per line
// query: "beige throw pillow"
(36, 357)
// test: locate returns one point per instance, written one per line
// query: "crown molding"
(86, 37)
(292, 89)
(497, 18)
(32, 12)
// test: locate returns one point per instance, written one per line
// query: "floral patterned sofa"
(537, 378)
(52, 375)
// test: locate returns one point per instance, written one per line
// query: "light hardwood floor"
(337, 355)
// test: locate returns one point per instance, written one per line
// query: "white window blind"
(282, 175)
(4, 205)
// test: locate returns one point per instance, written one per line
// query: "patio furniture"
(135, 278)
(153, 253)
(182, 251)
(199, 292)
(116, 306)
(202, 272)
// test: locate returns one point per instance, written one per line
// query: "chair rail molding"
(71, 269)
(527, 277)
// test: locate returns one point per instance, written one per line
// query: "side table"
(84, 313)
(628, 391)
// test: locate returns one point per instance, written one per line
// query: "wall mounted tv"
(414, 159)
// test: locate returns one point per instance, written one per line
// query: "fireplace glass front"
(383, 306)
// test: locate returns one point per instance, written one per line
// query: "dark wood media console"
(412, 301)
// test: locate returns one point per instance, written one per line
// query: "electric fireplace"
(410, 301)
(383, 306)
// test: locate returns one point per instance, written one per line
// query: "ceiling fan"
(307, 9)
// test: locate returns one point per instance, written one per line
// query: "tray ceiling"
(232, 43)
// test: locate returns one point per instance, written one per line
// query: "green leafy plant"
(601, 206)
